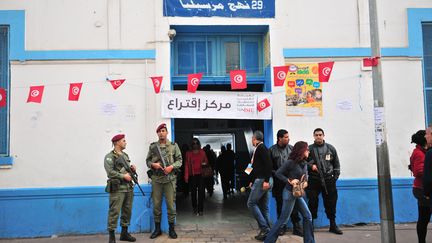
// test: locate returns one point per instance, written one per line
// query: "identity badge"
(249, 169)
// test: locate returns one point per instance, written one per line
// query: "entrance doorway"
(217, 133)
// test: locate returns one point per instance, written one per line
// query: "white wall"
(62, 143)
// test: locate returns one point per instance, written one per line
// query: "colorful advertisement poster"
(303, 91)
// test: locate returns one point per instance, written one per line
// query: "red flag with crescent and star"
(3, 97)
(238, 79)
(157, 83)
(370, 61)
(324, 69)
(74, 91)
(117, 83)
(35, 94)
(263, 104)
(193, 82)
(279, 74)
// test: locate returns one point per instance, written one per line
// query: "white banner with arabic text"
(217, 105)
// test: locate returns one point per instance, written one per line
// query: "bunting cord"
(149, 85)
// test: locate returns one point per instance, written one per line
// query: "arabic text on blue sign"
(221, 8)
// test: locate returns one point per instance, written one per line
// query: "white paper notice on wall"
(108, 109)
(379, 125)
(344, 105)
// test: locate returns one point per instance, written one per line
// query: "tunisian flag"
(193, 82)
(279, 74)
(238, 79)
(35, 94)
(157, 83)
(2, 97)
(263, 104)
(117, 83)
(74, 91)
(370, 61)
(324, 69)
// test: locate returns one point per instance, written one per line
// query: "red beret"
(117, 137)
(163, 125)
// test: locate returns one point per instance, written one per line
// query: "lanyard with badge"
(249, 168)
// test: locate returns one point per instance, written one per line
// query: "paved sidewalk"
(239, 233)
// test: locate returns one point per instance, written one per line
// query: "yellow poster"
(303, 90)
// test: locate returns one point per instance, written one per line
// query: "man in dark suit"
(260, 170)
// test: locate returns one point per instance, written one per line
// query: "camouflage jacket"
(172, 155)
(115, 170)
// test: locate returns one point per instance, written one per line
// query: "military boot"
(125, 236)
(334, 228)
(156, 232)
(172, 234)
(297, 229)
(111, 237)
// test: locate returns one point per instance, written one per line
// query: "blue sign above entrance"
(220, 8)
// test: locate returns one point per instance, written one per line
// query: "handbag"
(298, 186)
(206, 171)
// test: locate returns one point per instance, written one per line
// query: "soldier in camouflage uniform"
(163, 177)
(120, 188)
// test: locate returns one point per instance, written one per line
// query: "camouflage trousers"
(120, 201)
(167, 189)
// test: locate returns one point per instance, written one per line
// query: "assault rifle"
(320, 169)
(121, 160)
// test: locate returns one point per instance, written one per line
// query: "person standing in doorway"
(210, 181)
(279, 154)
(195, 160)
(417, 165)
(230, 161)
(164, 160)
(120, 188)
(324, 171)
(222, 168)
(260, 171)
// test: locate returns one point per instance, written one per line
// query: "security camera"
(171, 34)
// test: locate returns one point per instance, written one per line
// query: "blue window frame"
(217, 55)
(4, 83)
(427, 62)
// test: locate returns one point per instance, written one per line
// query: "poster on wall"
(303, 91)
(220, 8)
(217, 105)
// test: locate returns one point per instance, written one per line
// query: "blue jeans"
(258, 204)
(288, 205)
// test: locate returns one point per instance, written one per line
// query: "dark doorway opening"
(217, 132)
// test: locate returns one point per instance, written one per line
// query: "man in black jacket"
(260, 170)
(324, 170)
(279, 155)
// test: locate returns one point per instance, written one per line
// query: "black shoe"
(262, 235)
(111, 237)
(125, 236)
(156, 232)
(282, 230)
(297, 229)
(200, 213)
(172, 234)
(336, 230)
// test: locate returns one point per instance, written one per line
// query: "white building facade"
(52, 178)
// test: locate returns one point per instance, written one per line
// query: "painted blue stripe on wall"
(38, 212)
(6, 160)
(415, 42)
(16, 20)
